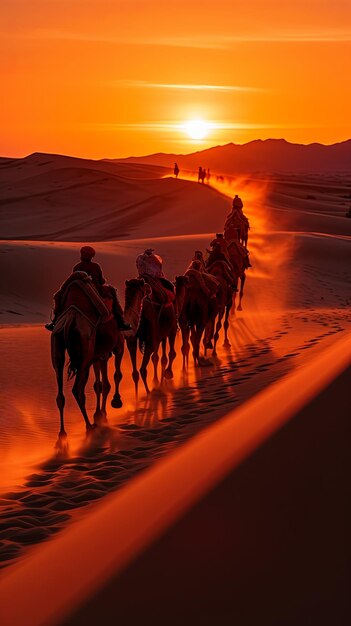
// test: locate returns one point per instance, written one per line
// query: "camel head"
(135, 291)
(182, 285)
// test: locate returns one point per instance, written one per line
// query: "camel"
(195, 310)
(237, 227)
(135, 291)
(82, 331)
(221, 271)
(238, 260)
(244, 232)
(156, 323)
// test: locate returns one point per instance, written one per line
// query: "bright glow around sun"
(197, 129)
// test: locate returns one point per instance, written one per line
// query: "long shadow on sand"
(113, 455)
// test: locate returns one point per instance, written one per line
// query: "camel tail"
(142, 346)
(192, 313)
(142, 334)
(71, 370)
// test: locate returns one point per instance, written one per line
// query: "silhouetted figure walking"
(208, 176)
(176, 170)
(200, 175)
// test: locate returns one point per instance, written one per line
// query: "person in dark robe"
(93, 270)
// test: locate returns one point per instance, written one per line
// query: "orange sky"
(109, 78)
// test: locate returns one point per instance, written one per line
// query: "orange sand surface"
(296, 304)
(96, 563)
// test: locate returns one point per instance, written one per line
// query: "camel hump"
(203, 281)
(162, 289)
(219, 266)
(85, 284)
(223, 265)
(99, 303)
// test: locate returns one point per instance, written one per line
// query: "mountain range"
(259, 156)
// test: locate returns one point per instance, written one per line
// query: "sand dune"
(296, 305)
(220, 509)
(56, 198)
(92, 201)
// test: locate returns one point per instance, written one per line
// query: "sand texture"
(296, 305)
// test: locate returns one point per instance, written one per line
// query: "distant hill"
(268, 156)
(58, 198)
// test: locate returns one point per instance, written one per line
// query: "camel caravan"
(89, 323)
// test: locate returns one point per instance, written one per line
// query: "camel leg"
(106, 388)
(171, 356)
(216, 335)
(233, 305)
(208, 335)
(226, 343)
(58, 361)
(78, 391)
(132, 347)
(98, 391)
(143, 368)
(60, 401)
(195, 339)
(116, 401)
(185, 345)
(163, 359)
(193, 343)
(241, 294)
(155, 359)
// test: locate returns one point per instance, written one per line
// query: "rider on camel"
(238, 206)
(198, 256)
(216, 255)
(237, 202)
(149, 266)
(208, 283)
(222, 243)
(95, 272)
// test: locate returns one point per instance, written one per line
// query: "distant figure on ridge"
(176, 170)
(208, 176)
(94, 271)
(200, 175)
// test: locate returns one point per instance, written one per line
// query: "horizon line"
(133, 156)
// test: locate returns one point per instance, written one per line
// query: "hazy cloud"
(143, 84)
(183, 126)
(209, 41)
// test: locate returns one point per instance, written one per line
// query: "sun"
(197, 129)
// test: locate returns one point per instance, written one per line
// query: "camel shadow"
(113, 454)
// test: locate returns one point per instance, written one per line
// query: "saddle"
(241, 251)
(160, 293)
(102, 303)
(203, 281)
(227, 270)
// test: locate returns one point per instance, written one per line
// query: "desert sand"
(295, 309)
